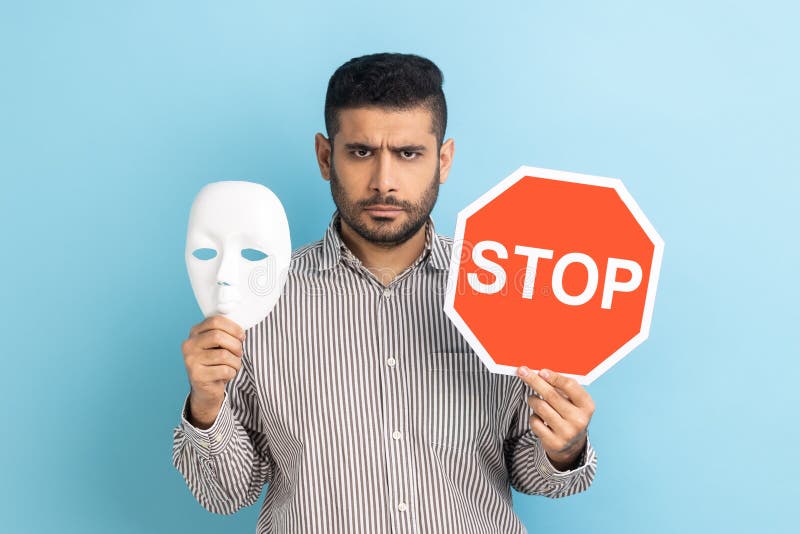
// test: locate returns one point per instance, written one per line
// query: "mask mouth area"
(226, 307)
(227, 297)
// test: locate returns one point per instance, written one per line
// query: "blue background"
(115, 114)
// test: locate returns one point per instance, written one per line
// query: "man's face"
(385, 172)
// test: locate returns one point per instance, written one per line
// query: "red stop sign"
(554, 270)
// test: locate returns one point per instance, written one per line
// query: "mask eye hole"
(253, 254)
(204, 253)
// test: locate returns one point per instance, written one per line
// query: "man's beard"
(384, 235)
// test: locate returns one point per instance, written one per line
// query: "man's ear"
(322, 146)
(446, 153)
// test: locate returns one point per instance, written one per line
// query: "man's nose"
(383, 176)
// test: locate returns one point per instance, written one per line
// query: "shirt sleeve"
(529, 467)
(226, 465)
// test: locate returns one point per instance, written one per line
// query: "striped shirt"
(363, 410)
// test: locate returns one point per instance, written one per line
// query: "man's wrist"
(202, 414)
(568, 462)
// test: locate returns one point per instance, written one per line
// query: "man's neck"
(384, 262)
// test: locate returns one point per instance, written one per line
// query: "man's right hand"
(213, 356)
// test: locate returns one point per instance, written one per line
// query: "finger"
(547, 414)
(217, 373)
(574, 391)
(547, 392)
(541, 430)
(560, 393)
(211, 375)
(212, 339)
(549, 439)
(214, 357)
(218, 322)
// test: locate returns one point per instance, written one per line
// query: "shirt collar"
(334, 249)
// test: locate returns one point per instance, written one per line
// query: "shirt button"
(402, 507)
(387, 292)
(391, 362)
(397, 435)
(218, 438)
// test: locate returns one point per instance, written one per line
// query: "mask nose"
(228, 271)
(227, 277)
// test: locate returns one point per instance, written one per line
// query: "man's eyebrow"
(403, 148)
(409, 148)
(358, 146)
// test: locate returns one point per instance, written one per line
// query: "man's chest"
(391, 362)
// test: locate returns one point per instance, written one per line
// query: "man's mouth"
(382, 210)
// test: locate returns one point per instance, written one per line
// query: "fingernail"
(523, 371)
(544, 373)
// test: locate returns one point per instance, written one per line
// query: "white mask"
(237, 250)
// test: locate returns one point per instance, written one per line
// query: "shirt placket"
(395, 411)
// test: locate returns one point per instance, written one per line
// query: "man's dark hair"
(391, 81)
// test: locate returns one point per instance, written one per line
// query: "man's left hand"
(561, 417)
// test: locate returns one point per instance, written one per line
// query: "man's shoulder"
(444, 239)
(442, 250)
(306, 258)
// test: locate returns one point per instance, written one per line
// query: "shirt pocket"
(461, 400)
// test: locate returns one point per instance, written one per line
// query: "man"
(356, 400)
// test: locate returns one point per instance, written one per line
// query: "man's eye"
(361, 152)
(408, 154)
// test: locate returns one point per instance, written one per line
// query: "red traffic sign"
(553, 269)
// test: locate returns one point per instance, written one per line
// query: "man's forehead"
(375, 125)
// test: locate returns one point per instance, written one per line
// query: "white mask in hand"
(237, 250)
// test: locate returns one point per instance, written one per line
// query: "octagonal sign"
(553, 269)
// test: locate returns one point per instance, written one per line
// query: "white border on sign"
(491, 194)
